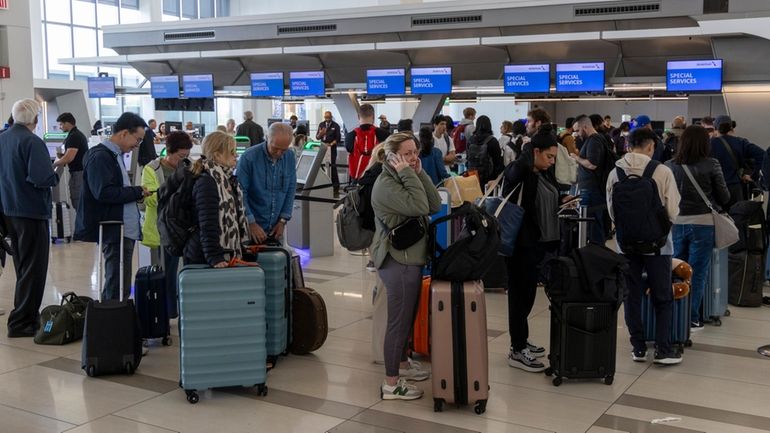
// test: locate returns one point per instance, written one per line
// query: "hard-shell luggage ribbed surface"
(715, 296)
(583, 341)
(680, 328)
(276, 263)
(62, 221)
(221, 328)
(459, 355)
(151, 303)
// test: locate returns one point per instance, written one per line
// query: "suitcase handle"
(100, 266)
(238, 262)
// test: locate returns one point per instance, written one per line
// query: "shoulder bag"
(725, 231)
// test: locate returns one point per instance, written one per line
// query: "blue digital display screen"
(431, 80)
(101, 87)
(580, 77)
(267, 84)
(527, 78)
(164, 86)
(307, 83)
(198, 86)
(385, 82)
(694, 75)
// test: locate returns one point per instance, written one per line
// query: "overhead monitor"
(385, 82)
(431, 80)
(307, 83)
(527, 78)
(101, 87)
(198, 86)
(166, 86)
(694, 76)
(264, 84)
(305, 165)
(580, 77)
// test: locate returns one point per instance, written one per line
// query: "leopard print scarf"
(232, 219)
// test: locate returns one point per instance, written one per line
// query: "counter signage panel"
(198, 86)
(580, 77)
(694, 75)
(165, 86)
(307, 83)
(527, 78)
(267, 84)
(101, 87)
(385, 82)
(431, 80)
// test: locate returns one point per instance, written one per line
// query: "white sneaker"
(535, 350)
(414, 372)
(525, 360)
(145, 347)
(370, 267)
(401, 391)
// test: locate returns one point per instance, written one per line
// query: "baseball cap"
(642, 121)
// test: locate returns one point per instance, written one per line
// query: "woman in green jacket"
(402, 192)
(154, 174)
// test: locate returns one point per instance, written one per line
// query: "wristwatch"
(282, 221)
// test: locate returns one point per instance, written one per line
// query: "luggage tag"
(48, 326)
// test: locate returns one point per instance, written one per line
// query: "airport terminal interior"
(192, 65)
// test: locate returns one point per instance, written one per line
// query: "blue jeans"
(596, 202)
(658, 270)
(694, 244)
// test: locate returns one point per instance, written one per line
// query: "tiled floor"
(722, 385)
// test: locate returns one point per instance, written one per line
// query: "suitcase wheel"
(608, 380)
(548, 372)
(688, 343)
(192, 397)
(166, 341)
(727, 313)
(717, 321)
(438, 405)
(261, 390)
(129, 368)
(481, 407)
(557, 381)
(91, 371)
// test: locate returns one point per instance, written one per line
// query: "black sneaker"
(639, 355)
(696, 326)
(535, 350)
(671, 358)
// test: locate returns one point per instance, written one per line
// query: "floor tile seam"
(554, 391)
(140, 422)
(687, 373)
(104, 379)
(695, 348)
(39, 415)
(647, 368)
(651, 428)
(316, 360)
(37, 351)
(371, 408)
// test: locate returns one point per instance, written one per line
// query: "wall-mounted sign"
(5, 71)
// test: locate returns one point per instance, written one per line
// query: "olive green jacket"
(396, 197)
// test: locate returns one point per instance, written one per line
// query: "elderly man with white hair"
(268, 176)
(25, 195)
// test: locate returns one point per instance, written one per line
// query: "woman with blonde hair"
(219, 210)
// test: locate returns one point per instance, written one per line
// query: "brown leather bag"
(309, 321)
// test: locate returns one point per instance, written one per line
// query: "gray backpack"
(351, 234)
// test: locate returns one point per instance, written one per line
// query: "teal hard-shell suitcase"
(222, 328)
(276, 262)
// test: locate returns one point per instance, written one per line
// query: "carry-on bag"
(421, 333)
(715, 296)
(747, 277)
(63, 323)
(583, 341)
(310, 324)
(681, 277)
(458, 345)
(152, 303)
(62, 221)
(222, 328)
(111, 340)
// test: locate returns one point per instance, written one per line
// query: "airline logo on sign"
(3, 4)
(5, 71)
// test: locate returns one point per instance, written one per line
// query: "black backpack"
(176, 217)
(479, 159)
(474, 251)
(641, 220)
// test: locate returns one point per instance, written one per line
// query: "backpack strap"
(650, 169)
(621, 174)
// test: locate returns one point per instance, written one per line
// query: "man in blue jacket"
(108, 196)
(268, 176)
(740, 159)
(25, 194)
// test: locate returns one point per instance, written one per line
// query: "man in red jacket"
(361, 141)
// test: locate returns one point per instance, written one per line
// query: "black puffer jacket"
(708, 173)
(203, 247)
(367, 184)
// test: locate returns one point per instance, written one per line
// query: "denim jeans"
(596, 202)
(694, 244)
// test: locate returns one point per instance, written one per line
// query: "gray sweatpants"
(403, 283)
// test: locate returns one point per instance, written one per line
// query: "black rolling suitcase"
(111, 339)
(151, 303)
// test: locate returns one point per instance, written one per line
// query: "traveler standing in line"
(591, 174)
(462, 134)
(403, 191)
(483, 153)
(442, 141)
(738, 157)
(219, 211)
(384, 124)
(430, 157)
(329, 133)
(293, 122)
(147, 151)
(536, 119)
(693, 230)
(708, 123)
(620, 138)
(300, 140)
(657, 265)
(505, 141)
(539, 235)
(230, 127)
(520, 138)
(450, 127)
(250, 129)
(25, 198)
(108, 196)
(366, 184)
(405, 125)
(154, 175)
(268, 177)
(566, 138)
(162, 131)
(360, 141)
(75, 148)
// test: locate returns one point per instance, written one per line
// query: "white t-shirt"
(444, 144)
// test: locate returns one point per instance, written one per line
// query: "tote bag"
(725, 231)
(509, 217)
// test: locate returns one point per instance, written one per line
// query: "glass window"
(83, 13)
(132, 78)
(59, 47)
(58, 11)
(131, 4)
(223, 8)
(102, 50)
(171, 7)
(113, 72)
(190, 9)
(111, 109)
(85, 42)
(131, 16)
(207, 8)
(109, 2)
(83, 72)
(107, 14)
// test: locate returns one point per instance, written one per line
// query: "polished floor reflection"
(723, 384)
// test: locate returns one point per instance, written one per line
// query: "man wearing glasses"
(107, 195)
